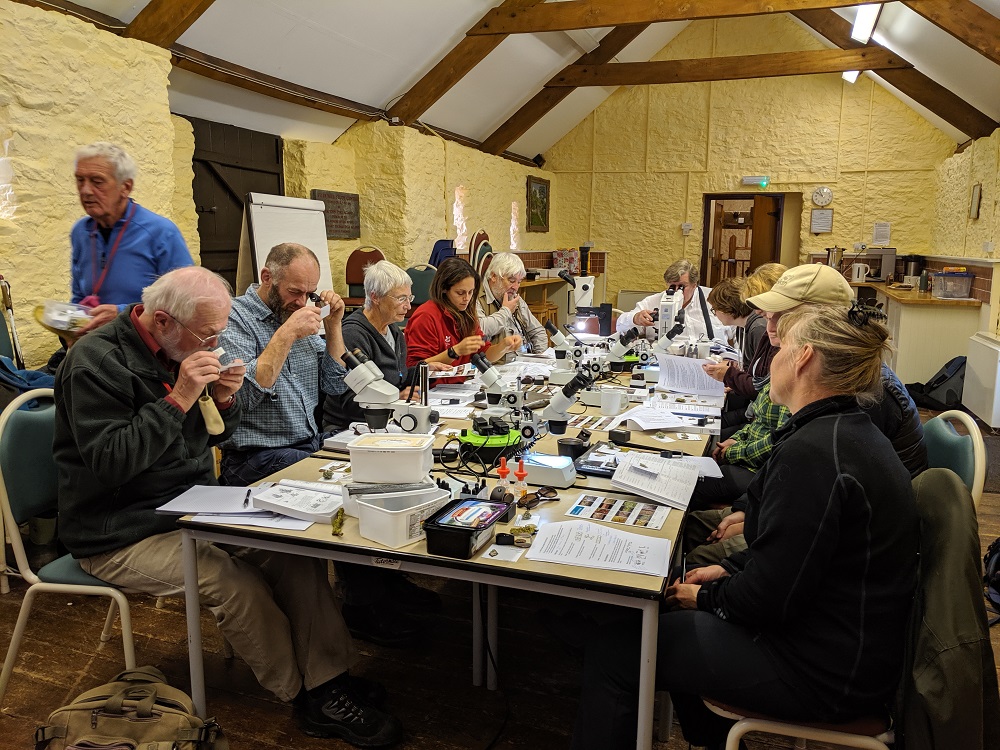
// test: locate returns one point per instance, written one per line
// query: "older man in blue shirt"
(275, 330)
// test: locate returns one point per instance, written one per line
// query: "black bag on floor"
(944, 390)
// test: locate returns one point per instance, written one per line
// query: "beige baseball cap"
(816, 284)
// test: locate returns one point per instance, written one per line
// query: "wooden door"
(230, 162)
(765, 240)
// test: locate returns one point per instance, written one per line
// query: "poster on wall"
(882, 233)
(821, 221)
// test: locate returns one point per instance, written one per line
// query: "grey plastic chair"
(27, 489)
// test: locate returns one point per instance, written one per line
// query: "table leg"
(192, 603)
(477, 637)
(647, 673)
(491, 637)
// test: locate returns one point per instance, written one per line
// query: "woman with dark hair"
(808, 623)
(445, 329)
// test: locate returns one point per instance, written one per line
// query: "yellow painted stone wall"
(63, 83)
(639, 165)
(954, 232)
(406, 184)
(182, 203)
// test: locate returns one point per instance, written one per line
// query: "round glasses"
(202, 340)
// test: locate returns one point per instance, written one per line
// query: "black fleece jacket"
(121, 449)
(831, 564)
(339, 411)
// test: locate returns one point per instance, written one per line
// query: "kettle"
(834, 255)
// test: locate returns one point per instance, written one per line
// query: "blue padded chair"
(963, 454)
(442, 250)
(28, 488)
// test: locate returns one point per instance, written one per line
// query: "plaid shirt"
(283, 414)
(755, 440)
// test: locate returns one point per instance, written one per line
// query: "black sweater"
(831, 564)
(359, 333)
(122, 450)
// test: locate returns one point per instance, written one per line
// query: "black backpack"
(944, 390)
(991, 580)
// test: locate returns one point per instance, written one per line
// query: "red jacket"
(429, 332)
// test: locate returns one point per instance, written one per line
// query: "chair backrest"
(357, 262)
(421, 275)
(963, 454)
(484, 265)
(28, 477)
(443, 249)
(6, 345)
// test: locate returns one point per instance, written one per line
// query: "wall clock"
(822, 196)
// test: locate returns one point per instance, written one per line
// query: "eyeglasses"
(404, 299)
(541, 495)
(203, 340)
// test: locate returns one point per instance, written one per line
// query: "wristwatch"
(452, 353)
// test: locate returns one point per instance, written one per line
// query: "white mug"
(613, 401)
(704, 349)
(859, 271)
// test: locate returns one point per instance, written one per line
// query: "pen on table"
(246, 500)
(684, 567)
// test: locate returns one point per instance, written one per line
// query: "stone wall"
(638, 166)
(954, 231)
(63, 83)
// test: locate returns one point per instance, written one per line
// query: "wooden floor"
(430, 688)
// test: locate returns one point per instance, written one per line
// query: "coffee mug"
(704, 349)
(860, 271)
(613, 401)
(571, 447)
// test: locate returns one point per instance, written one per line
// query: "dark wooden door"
(765, 240)
(230, 162)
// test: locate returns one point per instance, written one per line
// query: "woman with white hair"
(500, 309)
(375, 330)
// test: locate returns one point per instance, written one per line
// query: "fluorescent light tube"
(864, 22)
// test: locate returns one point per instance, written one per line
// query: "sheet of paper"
(267, 521)
(707, 467)
(619, 510)
(666, 480)
(505, 552)
(648, 418)
(686, 374)
(549, 354)
(453, 412)
(214, 499)
(594, 546)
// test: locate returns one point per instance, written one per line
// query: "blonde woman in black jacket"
(808, 622)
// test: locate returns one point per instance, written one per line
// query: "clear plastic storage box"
(952, 284)
(387, 458)
(397, 522)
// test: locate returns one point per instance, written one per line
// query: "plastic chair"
(963, 454)
(945, 507)
(442, 250)
(357, 262)
(421, 275)
(484, 263)
(28, 488)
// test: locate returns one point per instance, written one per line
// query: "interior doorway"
(741, 232)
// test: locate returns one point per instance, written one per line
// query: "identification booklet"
(298, 502)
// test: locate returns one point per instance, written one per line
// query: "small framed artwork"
(977, 197)
(538, 205)
(821, 220)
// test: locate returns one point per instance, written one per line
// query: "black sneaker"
(335, 713)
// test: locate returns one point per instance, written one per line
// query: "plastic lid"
(953, 274)
(520, 472)
(392, 441)
(503, 471)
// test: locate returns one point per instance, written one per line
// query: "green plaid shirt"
(755, 440)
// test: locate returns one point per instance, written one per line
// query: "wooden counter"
(914, 297)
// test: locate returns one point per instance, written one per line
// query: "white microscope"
(557, 411)
(380, 400)
(567, 355)
(500, 399)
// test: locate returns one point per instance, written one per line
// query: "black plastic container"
(448, 537)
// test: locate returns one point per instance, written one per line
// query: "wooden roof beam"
(965, 21)
(451, 69)
(542, 103)
(588, 14)
(728, 68)
(935, 97)
(163, 22)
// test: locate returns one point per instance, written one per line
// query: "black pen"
(684, 567)
(246, 500)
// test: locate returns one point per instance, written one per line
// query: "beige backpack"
(137, 711)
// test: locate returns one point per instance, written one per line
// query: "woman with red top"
(445, 328)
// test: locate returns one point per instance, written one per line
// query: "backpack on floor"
(991, 581)
(944, 390)
(136, 711)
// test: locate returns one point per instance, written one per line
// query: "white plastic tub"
(398, 521)
(388, 458)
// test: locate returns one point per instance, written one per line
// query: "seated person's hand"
(195, 373)
(336, 303)
(643, 318)
(705, 574)
(716, 370)
(719, 452)
(469, 345)
(682, 595)
(230, 381)
(304, 322)
(512, 343)
(510, 301)
(99, 316)
(728, 527)
(437, 366)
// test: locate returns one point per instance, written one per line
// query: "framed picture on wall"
(977, 197)
(538, 205)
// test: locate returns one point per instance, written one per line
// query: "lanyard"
(98, 283)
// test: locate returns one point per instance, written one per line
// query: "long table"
(631, 590)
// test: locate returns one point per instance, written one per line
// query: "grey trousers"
(697, 526)
(277, 611)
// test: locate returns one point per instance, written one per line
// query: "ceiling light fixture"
(865, 22)
(851, 75)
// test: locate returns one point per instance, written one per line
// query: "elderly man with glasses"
(502, 312)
